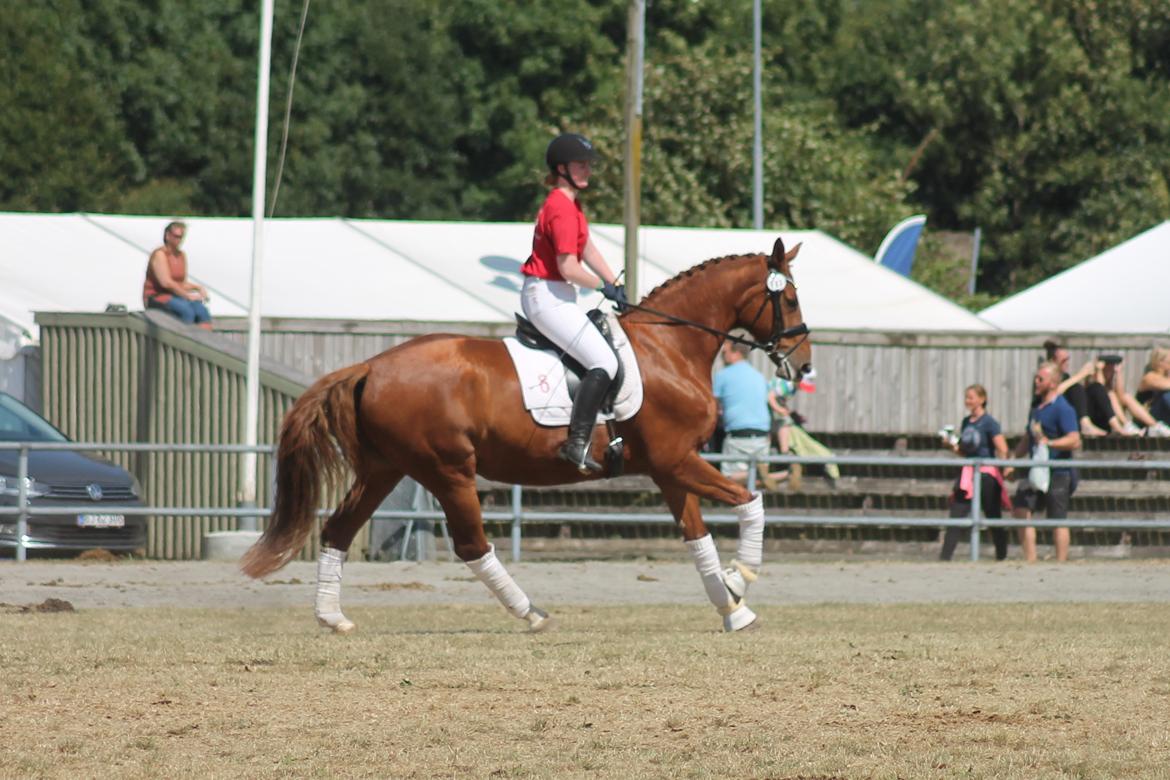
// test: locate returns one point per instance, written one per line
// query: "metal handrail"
(517, 516)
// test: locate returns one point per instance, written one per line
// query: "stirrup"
(582, 461)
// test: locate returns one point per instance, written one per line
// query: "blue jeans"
(190, 312)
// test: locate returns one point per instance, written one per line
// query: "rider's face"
(580, 171)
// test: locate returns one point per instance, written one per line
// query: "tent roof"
(426, 271)
(1121, 290)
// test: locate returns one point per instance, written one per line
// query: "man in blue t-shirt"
(1052, 422)
(742, 393)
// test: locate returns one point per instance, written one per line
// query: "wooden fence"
(867, 382)
(130, 378)
(146, 378)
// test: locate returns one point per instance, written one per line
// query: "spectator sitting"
(742, 393)
(779, 391)
(166, 286)
(790, 433)
(1110, 405)
(1072, 387)
(1153, 390)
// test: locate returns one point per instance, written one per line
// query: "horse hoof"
(538, 620)
(339, 625)
(742, 619)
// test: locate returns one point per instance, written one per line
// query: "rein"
(775, 284)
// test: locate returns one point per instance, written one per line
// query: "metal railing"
(516, 515)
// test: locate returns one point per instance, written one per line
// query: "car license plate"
(101, 521)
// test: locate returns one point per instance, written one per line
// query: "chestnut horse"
(443, 408)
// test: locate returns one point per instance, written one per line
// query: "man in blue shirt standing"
(742, 393)
(1052, 422)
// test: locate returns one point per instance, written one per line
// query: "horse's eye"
(793, 303)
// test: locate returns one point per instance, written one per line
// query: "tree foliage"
(1046, 124)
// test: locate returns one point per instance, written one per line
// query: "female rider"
(563, 255)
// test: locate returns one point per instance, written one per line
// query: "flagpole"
(259, 174)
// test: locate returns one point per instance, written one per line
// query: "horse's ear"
(791, 254)
(777, 254)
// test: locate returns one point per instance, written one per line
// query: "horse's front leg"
(718, 583)
(700, 477)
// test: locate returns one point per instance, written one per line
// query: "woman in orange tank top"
(166, 286)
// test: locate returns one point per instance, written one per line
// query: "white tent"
(1125, 289)
(425, 271)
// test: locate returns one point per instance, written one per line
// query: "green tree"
(63, 144)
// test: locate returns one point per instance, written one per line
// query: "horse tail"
(318, 438)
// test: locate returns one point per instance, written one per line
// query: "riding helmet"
(567, 148)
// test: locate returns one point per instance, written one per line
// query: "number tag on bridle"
(776, 281)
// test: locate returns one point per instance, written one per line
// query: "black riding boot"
(589, 396)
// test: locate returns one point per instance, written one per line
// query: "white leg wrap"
(707, 563)
(492, 573)
(736, 614)
(328, 608)
(749, 552)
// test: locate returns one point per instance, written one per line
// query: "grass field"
(1003, 691)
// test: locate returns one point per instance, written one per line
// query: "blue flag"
(898, 247)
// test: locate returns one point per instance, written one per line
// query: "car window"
(19, 423)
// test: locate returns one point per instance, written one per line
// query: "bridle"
(774, 285)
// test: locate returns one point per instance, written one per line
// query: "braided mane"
(692, 271)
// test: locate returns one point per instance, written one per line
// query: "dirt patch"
(48, 605)
(397, 586)
(104, 556)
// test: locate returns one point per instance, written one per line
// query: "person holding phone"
(980, 436)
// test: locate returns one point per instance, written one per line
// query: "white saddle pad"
(546, 390)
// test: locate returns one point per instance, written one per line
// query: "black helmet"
(567, 148)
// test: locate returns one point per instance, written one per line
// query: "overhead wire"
(292, 78)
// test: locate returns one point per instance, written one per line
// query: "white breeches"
(552, 308)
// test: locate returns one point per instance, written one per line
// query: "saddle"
(529, 336)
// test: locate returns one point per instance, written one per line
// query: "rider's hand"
(617, 294)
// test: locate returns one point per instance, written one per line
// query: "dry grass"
(837, 691)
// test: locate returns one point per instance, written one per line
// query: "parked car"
(65, 478)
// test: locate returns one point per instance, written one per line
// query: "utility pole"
(758, 142)
(632, 211)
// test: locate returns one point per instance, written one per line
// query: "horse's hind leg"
(455, 491)
(354, 510)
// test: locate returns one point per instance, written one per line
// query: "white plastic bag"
(1040, 476)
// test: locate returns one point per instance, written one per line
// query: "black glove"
(617, 294)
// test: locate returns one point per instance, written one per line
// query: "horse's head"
(772, 314)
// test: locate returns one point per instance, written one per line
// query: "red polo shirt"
(561, 229)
